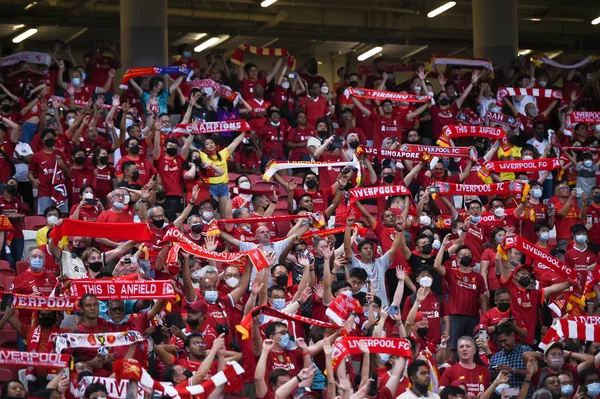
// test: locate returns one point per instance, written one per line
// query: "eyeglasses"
(119, 309)
(556, 355)
(280, 333)
(198, 343)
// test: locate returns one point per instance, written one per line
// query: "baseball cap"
(556, 344)
(198, 306)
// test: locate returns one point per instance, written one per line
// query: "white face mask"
(425, 281)
(348, 293)
(499, 212)
(285, 85)
(542, 83)
(70, 121)
(88, 196)
(425, 220)
(325, 90)
(244, 184)
(527, 158)
(418, 89)
(232, 282)
(128, 122)
(206, 215)
(51, 220)
(436, 244)
(197, 275)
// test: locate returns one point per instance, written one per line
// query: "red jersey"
(475, 239)
(291, 361)
(541, 216)
(593, 212)
(442, 118)
(385, 236)
(465, 290)
(493, 317)
(384, 127)
(258, 106)
(28, 283)
(42, 165)
(433, 310)
(492, 278)
(145, 169)
(171, 173)
(492, 222)
(282, 96)
(100, 68)
(315, 109)
(103, 180)
(524, 305)
(247, 161)
(564, 224)
(13, 207)
(80, 177)
(50, 264)
(143, 149)
(477, 379)
(300, 135)
(85, 93)
(110, 216)
(247, 87)
(319, 198)
(9, 149)
(272, 139)
(401, 113)
(87, 213)
(579, 261)
(328, 176)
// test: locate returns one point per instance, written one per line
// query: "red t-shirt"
(13, 207)
(88, 213)
(433, 311)
(85, 93)
(580, 260)
(385, 236)
(564, 224)
(328, 176)
(300, 135)
(144, 167)
(247, 162)
(171, 173)
(110, 216)
(100, 68)
(291, 361)
(489, 224)
(492, 278)
(315, 109)
(42, 165)
(79, 178)
(258, 106)
(401, 113)
(442, 118)
(103, 180)
(384, 127)
(319, 198)
(465, 289)
(474, 239)
(593, 211)
(273, 138)
(143, 149)
(28, 283)
(541, 215)
(9, 149)
(524, 305)
(477, 380)
(493, 317)
(247, 87)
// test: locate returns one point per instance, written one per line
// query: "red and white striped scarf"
(534, 92)
(570, 329)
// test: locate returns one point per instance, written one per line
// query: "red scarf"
(235, 125)
(391, 154)
(61, 304)
(466, 132)
(498, 117)
(239, 190)
(468, 117)
(583, 117)
(33, 359)
(121, 288)
(222, 90)
(504, 188)
(522, 165)
(34, 342)
(238, 55)
(357, 194)
(245, 326)
(255, 255)
(442, 152)
(570, 329)
(586, 149)
(59, 190)
(113, 231)
(533, 92)
(349, 346)
(386, 95)
(6, 225)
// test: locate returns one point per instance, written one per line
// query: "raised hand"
(210, 243)
(400, 273)
(303, 260)
(475, 76)
(327, 347)
(421, 73)
(422, 294)
(256, 287)
(319, 290)
(267, 345)
(301, 344)
(292, 185)
(305, 294)
(362, 345)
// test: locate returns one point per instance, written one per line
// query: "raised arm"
(361, 107)
(273, 72)
(465, 94)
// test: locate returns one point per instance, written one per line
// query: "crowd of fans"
(428, 267)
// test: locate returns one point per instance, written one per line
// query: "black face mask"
(466, 260)
(158, 223)
(95, 266)
(330, 147)
(6, 108)
(172, 151)
(422, 331)
(49, 142)
(135, 175)
(353, 144)
(47, 322)
(11, 188)
(103, 160)
(596, 198)
(444, 101)
(524, 282)
(79, 160)
(188, 373)
(389, 178)
(161, 195)
(78, 251)
(197, 162)
(196, 228)
(427, 248)
(311, 183)
(354, 83)
(282, 280)
(248, 150)
(322, 133)
(134, 149)
(503, 307)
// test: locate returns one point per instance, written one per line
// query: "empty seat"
(34, 222)
(22, 265)
(7, 337)
(4, 265)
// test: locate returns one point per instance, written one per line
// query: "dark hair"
(125, 166)
(93, 388)
(337, 285)
(413, 368)
(496, 199)
(169, 373)
(302, 196)
(249, 66)
(578, 228)
(463, 247)
(504, 328)
(495, 233)
(587, 372)
(129, 140)
(5, 387)
(50, 209)
(455, 222)
(540, 225)
(44, 393)
(171, 140)
(84, 187)
(47, 131)
(421, 236)
(189, 338)
(276, 374)
(359, 273)
(451, 390)
(77, 149)
(270, 330)
(475, 201)
(274, 288)
(86, 296)
(365, 242)
(154, 82)
(501, 290)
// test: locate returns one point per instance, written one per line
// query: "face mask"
(211, 296)
(475, 219)
(70, 121)
(499, 212)
(128, 122)
(196, 228)
(375, 315)
(206, 215)
(278, 303)
(427, 248)
(135, 176)
(324, 90)
(36, 264)
(79, 251)
(418, 89)
(197, 275)
(438, 174)
(384, 357)
(6, 108)
(193, 323)
(76, 81)
(322, 133)
(285, 85)
(501, 387)
(542, 83)
(187, 373)
(49, 142)
(11, 189)
(311, 183)
(425, 281)
(437, 244)
(503, 307)
(281, 280)
(499, 239)
(83, 76)
(593, 389)
(581, 239)
(134, 149)
(466, 261)
(422, 331)
(588, 163)
(425, 220)
(527, 158)
(566, 390)
(47, 322)
(79, 160)
(171, 151)
(245, 184)
(536, 193)
(596, 198)
(348, 293)
(187, 54)
(545, 235)
(444, 101)
(556, 363)
(119, 205)
(285, 341)
(524, 282)
(158, 223)
(95, 266)
(354, 145)
(232, 282)
(354, 83)
(51, 220)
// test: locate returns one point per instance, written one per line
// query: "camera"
(222, 329)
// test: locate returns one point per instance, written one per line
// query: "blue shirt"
(162, 99)
(513, 359)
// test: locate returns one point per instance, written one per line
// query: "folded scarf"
(468, 62)
(29, 302)
(402, 154)
(540, 59)
(504, 188)
(255, 255)
(429, 151)
(468, 117)
(212, 127)
(6, 225)
(585, 149)
(121, 289)
(350, 346)
(238, 55)
(373, 94)
(570, 329)
(358, 194)
(275, 166)
(533, 92)
(113, 231)
(104, 340)
(30, 57)
(150, 71)
(522, 165)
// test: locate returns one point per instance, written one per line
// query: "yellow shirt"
(41, 238)
(516, 153)
(224, 154)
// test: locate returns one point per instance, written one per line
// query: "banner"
(350, 346)
(34, 359)
(381, 95)
(467, 132)
(30, 57)
(441, 152)
(121, 289)
(504, 188)
(122, 338)
(113, 231)
(149, 71)
(29, 302)
(234, 125)
(357, 194)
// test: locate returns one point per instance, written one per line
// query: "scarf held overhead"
(275, 167)
(28, 302)
(121, 289)
(499, 117)
(255, 255)
(149, 71)
(442, 152)
(122, 338)
(540, 59)
(373, 94)
(35, 359)
(504, 188)
(533, 92)
(114, 231)
(350, 346)
(523, 166)
(30, 57)
(467, 132)
(238, 55)
(212, 127)
(221, 90)
(570, 329)
(357, 194)
(469, 62)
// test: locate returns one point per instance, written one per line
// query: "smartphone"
(510, 392)
(373, 387)
(434, 189)
(6, 300)
(91, 201)
(127, 261)
(337, 142)
(291, 75)
(550, 208)
(578, 192)
(393, 310)
(174, 320)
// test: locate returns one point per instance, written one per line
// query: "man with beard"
(418, 374)
(40, 339)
